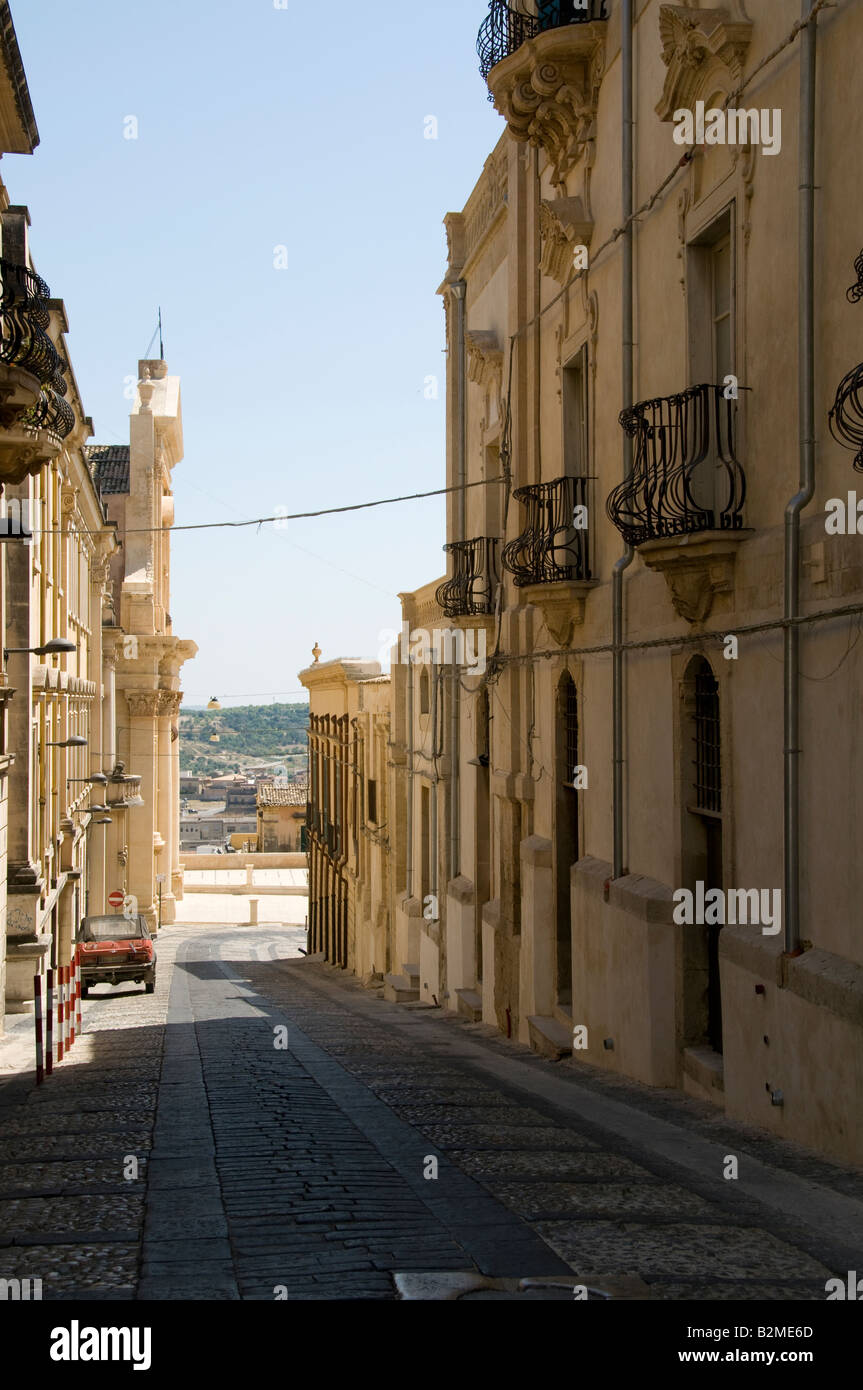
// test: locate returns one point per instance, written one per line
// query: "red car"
(116, 948)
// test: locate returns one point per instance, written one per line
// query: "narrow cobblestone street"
(301, 1171)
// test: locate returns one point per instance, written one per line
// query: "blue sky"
(259, 128)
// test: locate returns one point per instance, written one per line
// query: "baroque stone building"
(88, 706)
(348, 827)
(624, 835)
(143, 853)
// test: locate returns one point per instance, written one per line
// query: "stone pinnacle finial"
(316, 652)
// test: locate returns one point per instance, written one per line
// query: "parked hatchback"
(115, 948)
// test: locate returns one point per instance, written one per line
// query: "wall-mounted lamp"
(55, 647)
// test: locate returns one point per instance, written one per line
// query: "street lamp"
(75, 741)
(56, 647)
(97, 778)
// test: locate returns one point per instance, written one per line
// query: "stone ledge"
(537, 850)
(461, 889)
(636, 894)
(759, 955)
(829, 982)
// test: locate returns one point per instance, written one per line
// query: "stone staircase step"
(469, 1003)
(549, 1037)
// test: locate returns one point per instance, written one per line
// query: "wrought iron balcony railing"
(24, 319)
(550, 549)
(846, 414)
(51, 414)
(685, 476)
(471, 589)
(505, 29)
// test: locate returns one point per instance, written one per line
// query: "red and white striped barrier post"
(72, 1001)
(65, 1009)
(37, 999)
(49, 1019)
(61, 1013)
(78, 994)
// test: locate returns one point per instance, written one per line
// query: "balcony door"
(710, 298)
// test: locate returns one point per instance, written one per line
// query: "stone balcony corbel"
(547, 91)
(698, 568)
(562, 605)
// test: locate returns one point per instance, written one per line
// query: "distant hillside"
(248, 734)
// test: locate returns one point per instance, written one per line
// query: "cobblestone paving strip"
(264, 1168)
(611, 1208)
(69, 1214)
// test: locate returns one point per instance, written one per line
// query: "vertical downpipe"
(409, 808)
(626, 558)
(459, 291)
(806, 435)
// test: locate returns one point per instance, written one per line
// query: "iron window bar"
(550, 549)
(471, 588)
(708, 769)
(505, 29)
(685, 476)
(846, 415)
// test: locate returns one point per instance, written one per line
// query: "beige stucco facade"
(144, 849)
(349, 830)
(552, 853)
(89, 688)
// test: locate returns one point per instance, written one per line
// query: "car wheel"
(150, 987)
(85, 991)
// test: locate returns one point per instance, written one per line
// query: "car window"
(116, 928)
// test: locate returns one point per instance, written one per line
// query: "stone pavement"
(262, 1127)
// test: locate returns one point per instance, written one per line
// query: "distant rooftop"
(110, 465)
(294, 795)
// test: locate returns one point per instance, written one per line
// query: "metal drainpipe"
(459, 291)
(433, 828)
(806, 434)
(409, 809)
(627, 352)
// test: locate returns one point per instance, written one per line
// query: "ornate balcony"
(543, 70)
(685, 476)
(550, 549)
(470, 592)
(683, 503)
(34, 417)
(505, 29)
(52, 414)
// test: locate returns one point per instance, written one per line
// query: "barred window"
(708, 761)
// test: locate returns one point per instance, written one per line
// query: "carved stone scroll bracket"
(697, 569)
(563, 225)
(703, 50)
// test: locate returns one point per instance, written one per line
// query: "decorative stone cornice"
(484, 358)
(455, 240)
(143, 704)
(703, 50)
(547, 91)
(486, 202)
(563, 225)
(169, 703)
